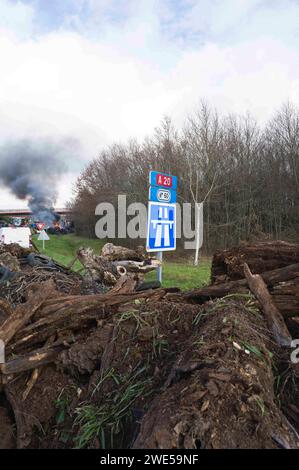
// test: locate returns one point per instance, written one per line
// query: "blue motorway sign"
(163, 180)
(161, 227)
(157, 194)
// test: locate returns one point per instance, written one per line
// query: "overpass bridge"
(27, 212)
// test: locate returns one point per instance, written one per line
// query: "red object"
(163, 180)
(40, 226)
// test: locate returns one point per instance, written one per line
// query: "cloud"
(16, 18)
(103, 71)
(233, 21)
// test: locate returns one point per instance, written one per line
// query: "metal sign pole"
(161, 220)
(43, 236)
(159, 270)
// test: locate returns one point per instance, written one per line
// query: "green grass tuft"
(108, 422)
(184, 275)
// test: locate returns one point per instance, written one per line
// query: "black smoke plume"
(31, 170)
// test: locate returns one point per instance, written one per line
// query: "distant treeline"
(247, 174)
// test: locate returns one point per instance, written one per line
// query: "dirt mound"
(160, 375)
(34, 413)
(15, 250)
(145, 369)
(219, 393)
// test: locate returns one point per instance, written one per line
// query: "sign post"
(44, 237)
(161, 222)
(159, 270)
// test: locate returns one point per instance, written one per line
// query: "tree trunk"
(31, 361)
(283, 284)
(274, 318)
(263, 256)
(24, 312)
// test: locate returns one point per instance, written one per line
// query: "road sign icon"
(40, 226)
(162, 195)
(43, 236)
(163, 180)
(161, 229)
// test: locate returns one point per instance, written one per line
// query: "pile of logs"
(49, 321)
(115, 262)
(203, 363)
(276, 290)
(38, 330)
(227, 265)
(280, 273)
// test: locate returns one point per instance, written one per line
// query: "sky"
(100, 71)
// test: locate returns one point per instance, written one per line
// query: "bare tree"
(247, 176)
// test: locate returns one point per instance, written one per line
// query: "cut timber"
(114, 262)
(283, 284)
(120, 253)
(138, 267)
(274, 318)
(35, 373)
(71, 313)
(97, 267)
(264, 256)
(286, 297)
(31, 361)
(24, 312)
(125, 284)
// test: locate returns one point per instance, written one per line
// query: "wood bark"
(138, 267)
(125, 284)
(260, 257)
(114, 262)
(283, 284)
(273, 317)
(32, 360)
(120, 253)
(72, 313)
(97, 267)
(36, 372)
(24, 312)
